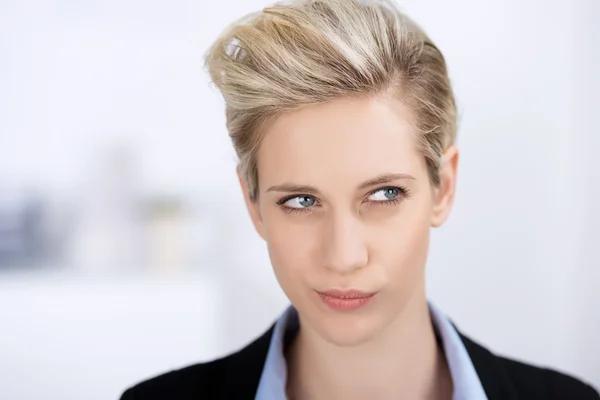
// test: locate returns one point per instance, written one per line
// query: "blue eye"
(300, 202)
(385, 194)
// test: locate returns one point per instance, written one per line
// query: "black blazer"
(236, 377)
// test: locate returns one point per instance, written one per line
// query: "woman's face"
(345, 204)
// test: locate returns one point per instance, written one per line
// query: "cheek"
(401, 247)
(291, 244)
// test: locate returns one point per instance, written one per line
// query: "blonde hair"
(305, 52)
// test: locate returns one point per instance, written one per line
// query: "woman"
(344, 121)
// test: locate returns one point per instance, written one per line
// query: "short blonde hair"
(306, 52)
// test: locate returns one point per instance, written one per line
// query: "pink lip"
(345, 300)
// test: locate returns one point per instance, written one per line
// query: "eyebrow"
(378, 180)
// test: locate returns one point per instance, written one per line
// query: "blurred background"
(125, 247)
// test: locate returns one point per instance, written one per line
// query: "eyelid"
(404, 193)
(402, 189)
(293, 196)
(296, 210)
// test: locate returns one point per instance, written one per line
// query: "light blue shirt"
(467, 385)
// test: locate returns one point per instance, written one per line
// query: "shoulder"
(533, 382)
(506, 378)
(233, 376)
(194, 381)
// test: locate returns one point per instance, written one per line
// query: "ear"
(252, 206)
(444, 194)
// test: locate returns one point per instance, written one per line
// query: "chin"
(348, 330)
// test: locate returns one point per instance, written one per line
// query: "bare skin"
(345, 202)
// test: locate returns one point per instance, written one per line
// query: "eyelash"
(404, 194)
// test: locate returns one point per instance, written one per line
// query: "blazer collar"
(492, 374)
(247, 365)
(244, 368)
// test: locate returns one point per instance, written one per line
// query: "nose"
(345, 248)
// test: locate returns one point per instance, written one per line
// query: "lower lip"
(344, 304)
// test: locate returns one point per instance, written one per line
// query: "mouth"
(345, 300)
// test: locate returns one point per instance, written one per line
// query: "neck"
(403, 362)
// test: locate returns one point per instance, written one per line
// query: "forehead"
(349, 139)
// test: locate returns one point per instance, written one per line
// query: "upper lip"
(347, 294)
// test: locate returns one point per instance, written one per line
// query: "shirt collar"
(467, 385)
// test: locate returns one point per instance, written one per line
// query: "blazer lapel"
(244, 369)
(493, 376)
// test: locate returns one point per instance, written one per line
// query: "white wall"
(515, 267)
(586, 139)
(509, 267)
